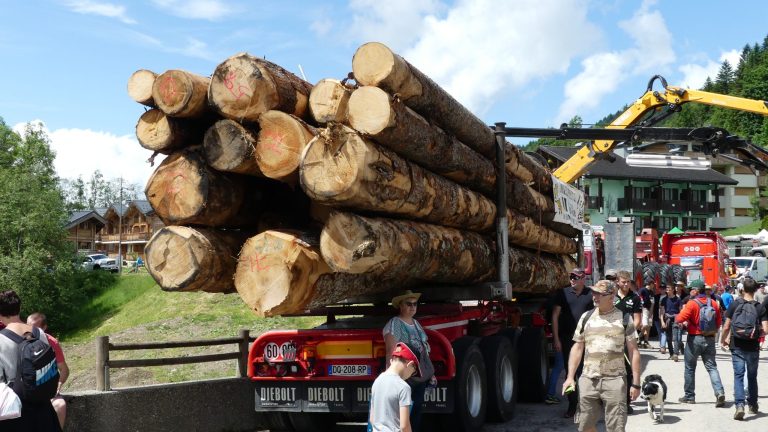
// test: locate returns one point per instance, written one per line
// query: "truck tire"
(650, 270)
(678, 273)
(311, 422)
(278, 422)
(533, 366)
(471, 389)
(501, 371)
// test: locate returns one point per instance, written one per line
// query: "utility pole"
(120, 230)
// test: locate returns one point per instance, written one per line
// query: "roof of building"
(101, 210)
(618, 169)
(143, 206)
(79, 216)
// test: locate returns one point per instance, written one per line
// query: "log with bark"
(384, 119)
(354, 244)
(328, 101)
(140, 87)
(161, 133)
(282, 272)
(374, 64)
(181, 258)
(183, 190)
(536, 273)
(181, 94)
(243, 87)
(341, 168)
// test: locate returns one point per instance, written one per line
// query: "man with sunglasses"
(569, 305)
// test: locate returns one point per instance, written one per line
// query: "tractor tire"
(678, 273)
(665, 275)
(471, 400)
(650, 270)
(501, 369)
(533, 368)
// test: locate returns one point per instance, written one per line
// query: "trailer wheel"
(470, 383)
(278, 422)
(501, 370)
(533, 368)
(311, 422)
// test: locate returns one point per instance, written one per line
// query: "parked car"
(99, 262)
(755, 266)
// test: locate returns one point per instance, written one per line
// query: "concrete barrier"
(214, 405)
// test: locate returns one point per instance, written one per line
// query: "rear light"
(537, 320)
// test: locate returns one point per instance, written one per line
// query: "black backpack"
(37, 374)
(745, 322)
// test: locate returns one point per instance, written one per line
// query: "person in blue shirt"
(727, 297)
(668, 310)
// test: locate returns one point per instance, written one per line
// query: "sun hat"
(396, 300)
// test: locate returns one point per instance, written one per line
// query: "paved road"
(703, 416)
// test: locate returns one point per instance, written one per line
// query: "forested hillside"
(748, 79)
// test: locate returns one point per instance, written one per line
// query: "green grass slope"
(136, 310)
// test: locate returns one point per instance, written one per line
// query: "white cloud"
(476, 49)
(80, 152)
(109, 10)
(193, 48)
(694, 75)
(397, 23)
(603, 72)
(211, 10)
(321, 26)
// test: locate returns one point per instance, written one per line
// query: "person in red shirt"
(39, 320)
(700, 344)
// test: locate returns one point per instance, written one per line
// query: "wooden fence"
(104, 364)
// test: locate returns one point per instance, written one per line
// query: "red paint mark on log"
(273, 141)
(255, 262)
(168, 89)
(230, 81)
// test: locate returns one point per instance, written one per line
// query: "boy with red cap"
(391, 395)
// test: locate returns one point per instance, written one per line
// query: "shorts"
(646, 319)
(596, 394)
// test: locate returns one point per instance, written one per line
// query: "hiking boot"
(551, 400)
(685, 400)
(721, 402)
(754, 409)
(739, 414)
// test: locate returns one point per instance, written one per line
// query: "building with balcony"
(83, 228)
(128, 228)
(661, 198)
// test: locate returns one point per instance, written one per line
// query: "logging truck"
(487, 340)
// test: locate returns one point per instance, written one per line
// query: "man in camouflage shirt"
(600, 337)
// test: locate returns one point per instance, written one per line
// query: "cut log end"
(372, 63)
(230, 147)
(328, 101)
(346, 244)
(281, 141)
(154, 131)
(181, 94)
(174, 189)
(329, 147)
(169, 254)
(140, 87)
(369, 110)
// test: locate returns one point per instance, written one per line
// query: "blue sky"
(531, 63)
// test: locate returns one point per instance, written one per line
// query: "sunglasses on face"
(411, 304)
(601, 294)
(574, 277)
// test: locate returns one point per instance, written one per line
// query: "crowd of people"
(597, 331)
(42, 407)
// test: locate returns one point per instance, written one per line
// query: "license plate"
(349, 370)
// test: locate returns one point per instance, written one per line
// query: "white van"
(756, 267)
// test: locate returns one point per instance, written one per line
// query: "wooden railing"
(104, 364)
(124, 237)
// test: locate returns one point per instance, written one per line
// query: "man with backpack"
(701, 316)
(28, 366)
(744, 321)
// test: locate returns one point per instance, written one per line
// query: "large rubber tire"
(471, 400)
(278, 422)
(665, 275)
(650, 270)
(311, 422)
(678, 273)
(533, 365)
(501, 370)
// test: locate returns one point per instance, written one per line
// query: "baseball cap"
(604, 287)
(406, 353)
(698, 284)
(610, 274)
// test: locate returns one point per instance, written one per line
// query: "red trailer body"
(703, 254)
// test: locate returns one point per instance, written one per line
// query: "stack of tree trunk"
(299, 197)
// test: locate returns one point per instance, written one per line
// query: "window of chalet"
(666, 223)
(696, 224)
(641, 192)
(698, 195)
(669, 194)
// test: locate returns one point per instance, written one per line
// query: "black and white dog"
(654, 390)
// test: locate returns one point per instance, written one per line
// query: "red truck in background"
(703, 255)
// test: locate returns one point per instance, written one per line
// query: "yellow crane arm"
(671, 98)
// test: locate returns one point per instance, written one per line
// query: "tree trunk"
(181, 94)
(328, 101)
(181, 258)
(526, 232)
(535, 273)
(387, 121)
(140, 87)
(282, 272)
(230, 146)
(282, 139)
(340, 168)
(527, 201)
(161, 133)
(355, 244)
(374, 64)
(243, 87)
(184, 191)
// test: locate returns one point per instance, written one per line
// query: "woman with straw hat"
(405, 328)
